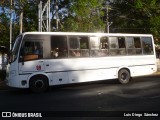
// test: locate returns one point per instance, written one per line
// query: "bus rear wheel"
(124, 76)
(38, 84)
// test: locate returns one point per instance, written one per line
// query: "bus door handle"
(41, 61)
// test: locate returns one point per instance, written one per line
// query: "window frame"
(117, 51)
(134, 49)
(79, 51)
(151, 51)
(56, 49)
(31, 56)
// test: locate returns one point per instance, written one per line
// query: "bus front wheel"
(38, 84)
(124, 76)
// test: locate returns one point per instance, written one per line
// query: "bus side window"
(104, 46)
(137, 44)
(133, 46)
(113, 46)
(84, 46)
(59, 47)
(32, 50)
(74, 46)
(78, 46)
(94, 44)
(147, 45)
(122, 46)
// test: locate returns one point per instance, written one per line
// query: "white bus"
(42, 59)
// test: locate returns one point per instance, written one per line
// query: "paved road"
(142, 94)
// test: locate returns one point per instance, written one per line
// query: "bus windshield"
(15, 49)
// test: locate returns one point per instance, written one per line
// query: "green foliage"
(30, 14)
(84, 16)
(4, 31)
(151, 10)
(137, 16)
(127, 16)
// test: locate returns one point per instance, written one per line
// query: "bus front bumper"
(16, 82)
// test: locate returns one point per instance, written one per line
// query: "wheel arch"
(38, 74)
(124, 67)
(38, 83)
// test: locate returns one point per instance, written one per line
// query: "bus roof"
(83, 33)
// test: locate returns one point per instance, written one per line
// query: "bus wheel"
(38, 84)
(124, 76)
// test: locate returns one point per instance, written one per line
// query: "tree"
(127, 16)
(4, 23)
(128, 19)
(30, 14)
(137, 16)
(4, 31)
(151, 9)
(84, 16)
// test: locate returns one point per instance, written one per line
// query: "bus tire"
(124, 76)
(38, 84)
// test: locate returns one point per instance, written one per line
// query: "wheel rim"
(124, 76)
(39, 84)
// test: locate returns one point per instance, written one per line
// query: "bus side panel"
(60, 78)
(143, 70)
(91, 75)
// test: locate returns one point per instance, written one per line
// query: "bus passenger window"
(122, 46)
(75, 53)
(32, 50)
(129, 42)
(104, 46)
(85, 53)
(79, 46)
(59, 47)
(130, 46)
(104, 42)
(121, 42)
(84, 46)
(137, 44)
(147, 45)
(94, 44)
(54, 53)
(133, 46)
(73, 42)
(113, 45)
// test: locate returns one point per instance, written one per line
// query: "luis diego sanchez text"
(141, 114)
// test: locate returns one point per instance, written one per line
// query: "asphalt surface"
(94, 100)
(88, 99)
